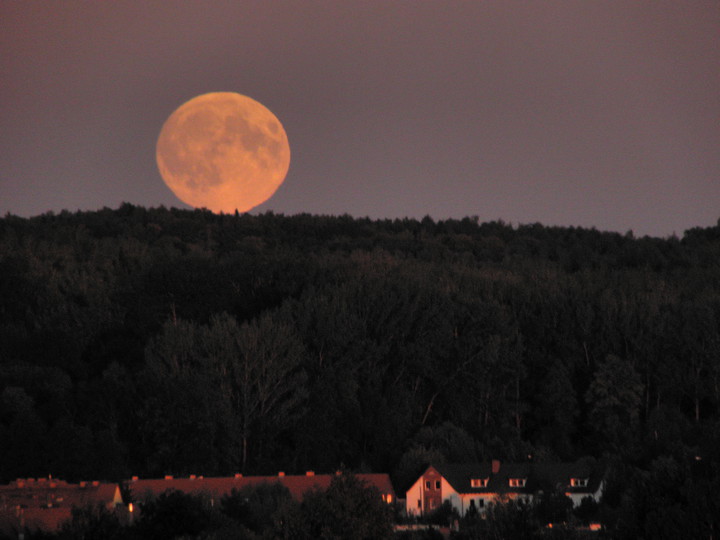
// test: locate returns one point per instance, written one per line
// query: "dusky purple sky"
(573, 113)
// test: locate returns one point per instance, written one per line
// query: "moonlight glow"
(223, 151)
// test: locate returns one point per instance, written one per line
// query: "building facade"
(477, 485)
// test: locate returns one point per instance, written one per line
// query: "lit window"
(479, 482)
(517, 482)
(578, 482)
(437, 484)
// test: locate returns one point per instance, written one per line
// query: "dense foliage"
(152, 341)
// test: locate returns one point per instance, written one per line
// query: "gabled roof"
(217, 487)
(51, 493)
(538, 476)
(43, 504)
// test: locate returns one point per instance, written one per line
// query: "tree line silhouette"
(161, 341)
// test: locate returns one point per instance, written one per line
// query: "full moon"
(223, 151)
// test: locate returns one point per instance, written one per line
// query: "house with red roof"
(43, 504)
(476, 485)
(216, 488)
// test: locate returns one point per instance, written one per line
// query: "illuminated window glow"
(517, 482)
(479, 482)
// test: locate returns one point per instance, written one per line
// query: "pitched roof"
(538, 476)
(217, 487)
(51, 493)
(45, 503)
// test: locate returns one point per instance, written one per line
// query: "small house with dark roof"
(216, 488)
(476, 485)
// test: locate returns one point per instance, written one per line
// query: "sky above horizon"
(569, 113)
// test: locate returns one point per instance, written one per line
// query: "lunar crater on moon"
(223, 151)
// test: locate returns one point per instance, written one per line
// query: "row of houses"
(217, 487)
(45, 503)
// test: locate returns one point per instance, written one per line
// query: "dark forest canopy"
(161, 341)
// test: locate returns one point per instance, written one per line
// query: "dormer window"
(517, 482)
(578, 482)
(479, 482)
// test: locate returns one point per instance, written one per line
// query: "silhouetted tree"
(614, 397)
(348, 509)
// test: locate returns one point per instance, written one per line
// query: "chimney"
(495, 466)
(192, 477)
(135, 478)
(310, 473)
(281, 474)
(238, 476)
(168, 477)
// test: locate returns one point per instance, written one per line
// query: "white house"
(478, 484)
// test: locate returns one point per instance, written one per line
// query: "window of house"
(437, 484)
(428, 484)
(479, 482)
(419, 503)
(579, 482)
(481, 502)
(517, 482)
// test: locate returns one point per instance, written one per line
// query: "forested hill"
(152, 341)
